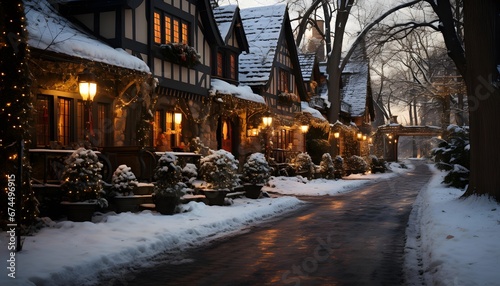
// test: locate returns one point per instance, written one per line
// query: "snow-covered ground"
(458, 246)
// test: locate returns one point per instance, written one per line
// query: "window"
(284, 81)
(157, 28)
(167, 134)
(232, 66)
(220, 64)
(172, 30)
(64, 121)
(44, 115)
(284, 139)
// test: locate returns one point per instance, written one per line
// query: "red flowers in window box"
(180, 54)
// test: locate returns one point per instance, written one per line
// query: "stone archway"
(387, 138)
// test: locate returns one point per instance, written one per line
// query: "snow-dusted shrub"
(198, 147)
(168, 177)
(189, 173)
(124, 180)
(82, 177)
(356, 164)
(453, 155)
(338, 165)
(326, 167)
(377, 164)
(303, 164)
(219, 169)
(256, 170)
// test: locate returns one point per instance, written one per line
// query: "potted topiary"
(82, 185)
(256, 173)
(169, 187)
(123, 186)
(219, 170)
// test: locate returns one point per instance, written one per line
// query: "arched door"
(226, 135)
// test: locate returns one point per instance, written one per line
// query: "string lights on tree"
(15, 111)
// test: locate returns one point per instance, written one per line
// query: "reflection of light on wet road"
(337, 205)
(267, 242)
(305, 217)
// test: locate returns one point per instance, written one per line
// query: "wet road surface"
(355, 238)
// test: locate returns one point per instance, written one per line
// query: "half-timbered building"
(272, 69)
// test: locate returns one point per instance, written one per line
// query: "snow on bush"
(326, 167)
(303, 163)
(356, 164)
(453, 155)
(219, 169)
(168, 177)
(82, 177)
(256, 170)
(124, 180)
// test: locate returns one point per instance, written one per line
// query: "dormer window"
(170, 29)
(227, 65)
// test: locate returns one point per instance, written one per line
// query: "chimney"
(317, 43)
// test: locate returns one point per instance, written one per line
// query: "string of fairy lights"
(15, 108)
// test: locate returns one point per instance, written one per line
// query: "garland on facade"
(181, 54)
(288, 98)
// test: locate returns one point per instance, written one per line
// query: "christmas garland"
(287, 98)
(180, 54)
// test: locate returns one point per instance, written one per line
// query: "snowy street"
(356, 238)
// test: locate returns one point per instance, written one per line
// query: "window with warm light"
(157, 28)
(283, 139)
(64, 121)
(167, 129)
(232, 66)
(171, 30)
(220, 64)
(43, 124)
(284, 81)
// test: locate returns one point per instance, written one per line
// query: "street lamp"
(359, 136)
(267, 120)
(304, 129)
(87, 86)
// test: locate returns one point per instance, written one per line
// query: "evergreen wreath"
(181, 54)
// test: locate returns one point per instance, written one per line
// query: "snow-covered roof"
(242, 91)
(307, 65)
(263, 27)
(314, 112)
(355, 89)
(224, 17)
(47, 30)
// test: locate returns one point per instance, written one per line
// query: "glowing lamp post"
(267, 120)
(87, 87)
(304, 129)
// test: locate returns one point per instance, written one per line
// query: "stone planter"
(166, 205)
(79, 211)
(130, 203)
(215, 197)
(252, 191)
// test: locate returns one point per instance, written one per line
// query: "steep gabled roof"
(228, 20)
(47, 30)
(307, 65)
(355, 89)
(263, 26)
